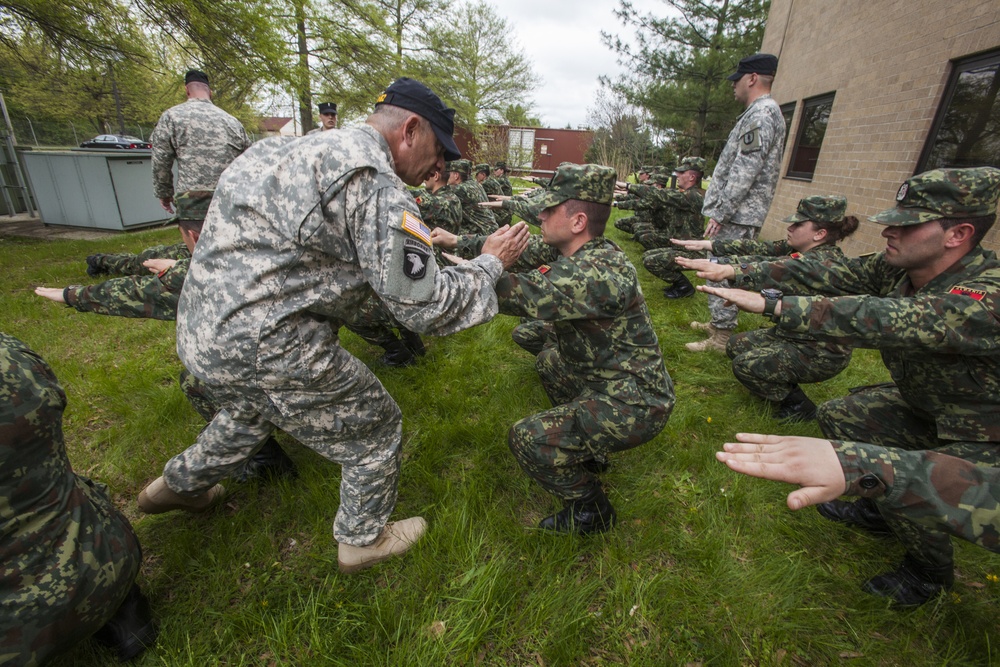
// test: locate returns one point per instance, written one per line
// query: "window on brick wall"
(812, 128)
(966, 130)
(787, 112)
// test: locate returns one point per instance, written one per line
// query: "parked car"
(116, 141)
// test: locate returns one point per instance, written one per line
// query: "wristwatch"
(771, 299)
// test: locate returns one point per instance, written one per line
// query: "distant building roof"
(273, 123)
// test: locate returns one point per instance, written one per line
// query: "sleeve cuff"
(868, 469)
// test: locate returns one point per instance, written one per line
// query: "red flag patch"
(544, 268)
(795, 255)
(976, 294)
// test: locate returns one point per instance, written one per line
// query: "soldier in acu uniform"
(302, 231)
(931, 304)
(202, 139)
(605, 374)
(744, 179)
(327, 118)
(68, 557)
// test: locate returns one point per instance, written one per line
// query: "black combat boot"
(397, 355)
(680, 289)
(269, 464)
(413, 342)
(911, 584)
(591, 514)
(862, 513)
(95, 265)
(131, 630)
(796, 407)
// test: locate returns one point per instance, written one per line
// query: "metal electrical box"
(94, 188)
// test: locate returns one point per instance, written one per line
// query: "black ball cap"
(195, 76)
(328, 107)
(758, 63)
(418, 98)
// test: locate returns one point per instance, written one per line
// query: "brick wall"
(888, 63)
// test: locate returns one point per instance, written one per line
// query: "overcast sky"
(562, 38)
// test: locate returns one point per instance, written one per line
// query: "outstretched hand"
(693, 244)
(53, 293)
(507, 243)
(707, 269)
(811, 463)
(443, 238)
(751, 302)
(158, 265)
(490, 204)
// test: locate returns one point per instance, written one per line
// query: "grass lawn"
(704, 568)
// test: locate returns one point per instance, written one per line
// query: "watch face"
(771, 293)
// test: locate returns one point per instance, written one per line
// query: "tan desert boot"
(396, 538)
(702, 326)
(158, 498)
(717, 341)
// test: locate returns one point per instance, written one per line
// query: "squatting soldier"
(770, 362)
(744, 180)
(68, 557)
(605, 377)
(302, 232)
(155, 296)
(931, 304)
(475, 219)
(500, 172)
(626, 201)
(202, 139)
(491, 186)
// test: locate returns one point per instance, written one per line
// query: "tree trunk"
(303, 92)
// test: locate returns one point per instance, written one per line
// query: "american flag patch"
(544, 268)
(416, 226)
(976, 294)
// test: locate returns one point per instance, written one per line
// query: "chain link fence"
(46, 134)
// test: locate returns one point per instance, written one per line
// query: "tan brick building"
(881, 74)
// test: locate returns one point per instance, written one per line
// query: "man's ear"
(410, 128)
(579, 223)
(960, 234)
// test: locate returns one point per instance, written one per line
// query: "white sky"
(562, 38)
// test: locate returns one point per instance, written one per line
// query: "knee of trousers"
(522, 444)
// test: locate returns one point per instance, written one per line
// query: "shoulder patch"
(976, 294)
(415, 258)
(795, 255)
(415, 226)
(750, 141)
(544, 268)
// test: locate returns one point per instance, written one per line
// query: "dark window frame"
(958, 67)
(812, 102)
(793, 105)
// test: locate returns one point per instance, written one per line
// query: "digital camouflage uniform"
(743, 185)
(940, 343)
(937, 492)
(475, 219)
(202, 139)
(68, 557)
(302, 232)
(605, 375)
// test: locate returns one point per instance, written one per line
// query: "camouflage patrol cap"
(944, 193)
(660, 178)
(646, 169)
(463, 167)
(416, 97)
(689, 163)
(819, 208)
(586, 182)
(483, 169)
(501, 165)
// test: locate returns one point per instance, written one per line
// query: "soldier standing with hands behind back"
(744, 180)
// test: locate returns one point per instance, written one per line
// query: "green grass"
(704, 568)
